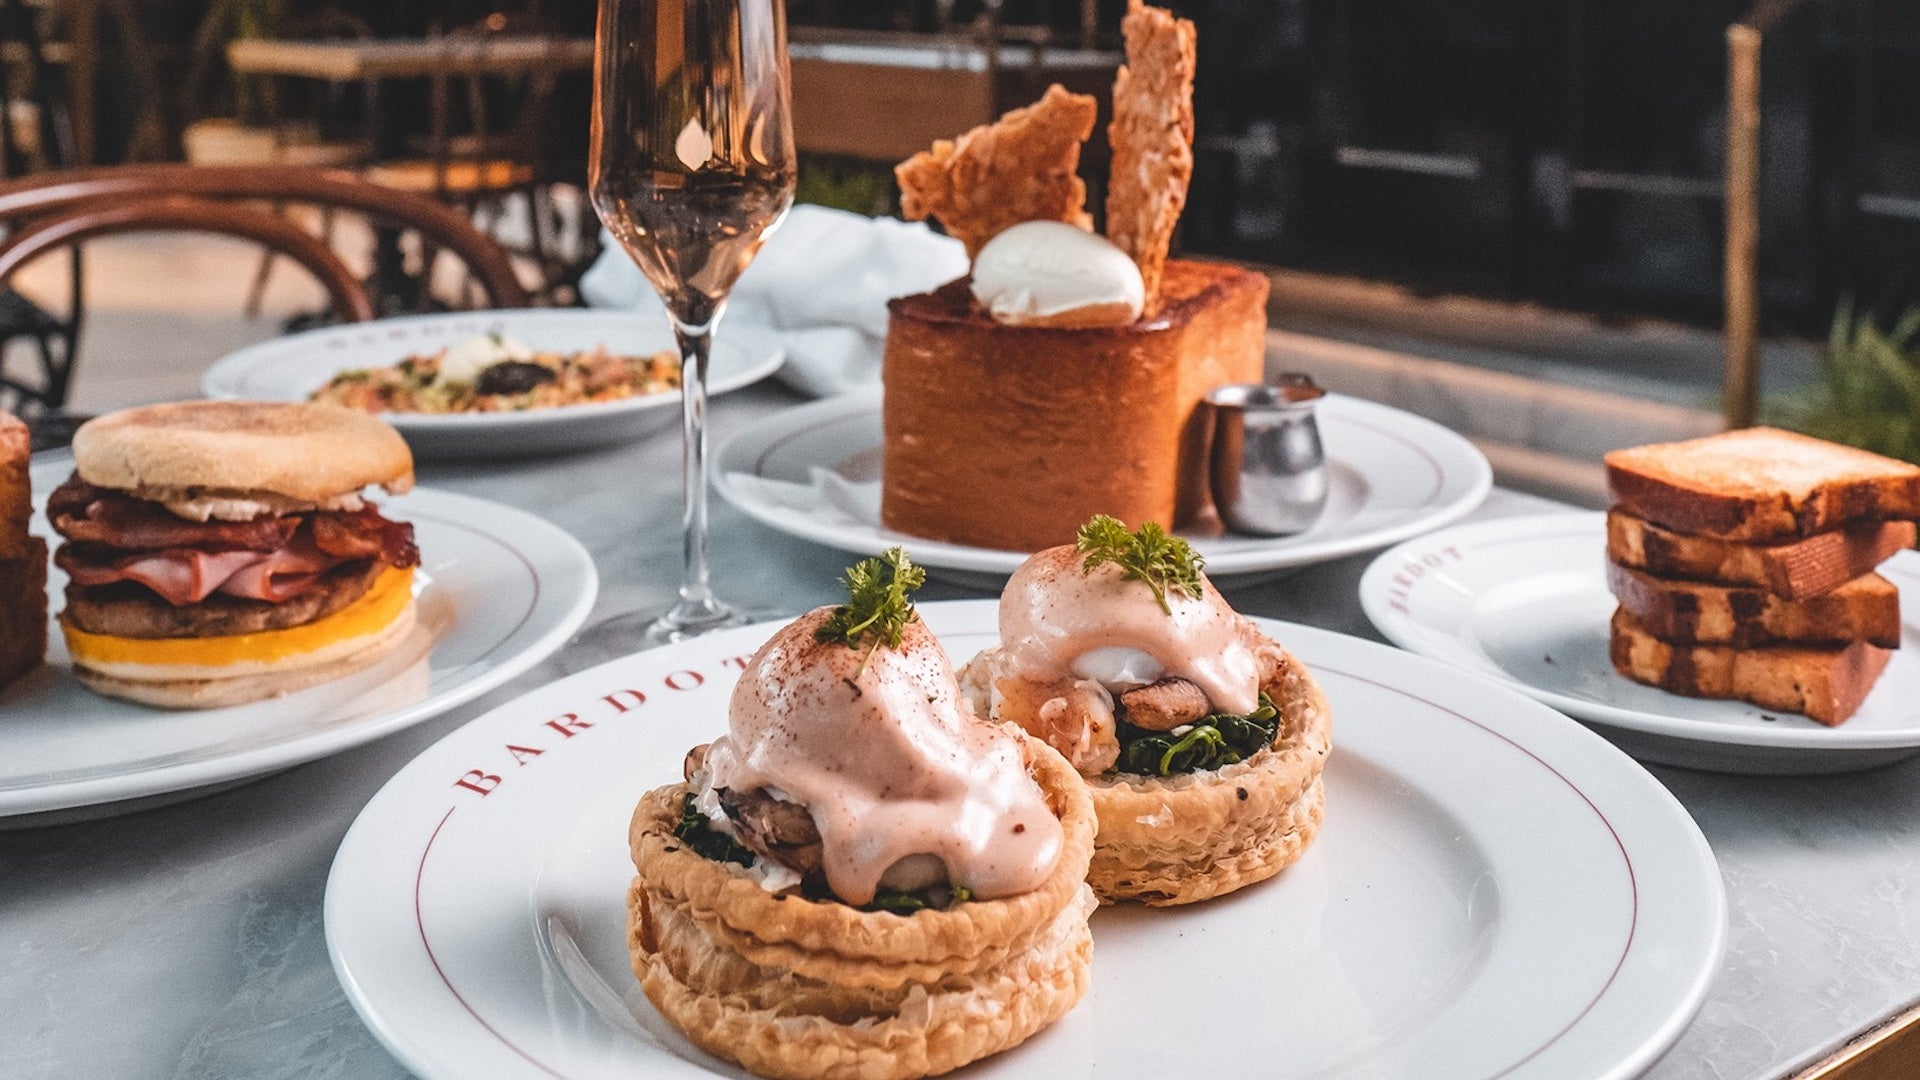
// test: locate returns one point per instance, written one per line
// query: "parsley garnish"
(1150, 555)
(877, 609)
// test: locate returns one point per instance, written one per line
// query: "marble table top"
(187, 941)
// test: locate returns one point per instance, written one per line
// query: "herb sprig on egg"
(1163, 562)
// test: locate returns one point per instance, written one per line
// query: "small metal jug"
(1269, 470)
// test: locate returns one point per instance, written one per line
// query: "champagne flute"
(692, 167)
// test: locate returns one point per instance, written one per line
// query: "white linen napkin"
(820, 286)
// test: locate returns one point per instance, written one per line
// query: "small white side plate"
(1524, 600)
(1496, 893)
(814, 472)
(291, 368)
(497, 591)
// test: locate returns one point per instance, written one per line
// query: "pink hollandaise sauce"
(888, 762)
(1053, 614)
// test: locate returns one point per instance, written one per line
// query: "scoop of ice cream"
(877, 746)
(464, 361)
(1057, 619)
(1049, 273)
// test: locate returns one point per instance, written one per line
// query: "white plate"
(292, 367)
(1496, 893)
(814, 472)
(1524, 600)
(498, 590)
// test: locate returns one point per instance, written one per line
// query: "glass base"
(624, 635)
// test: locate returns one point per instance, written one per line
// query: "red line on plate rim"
(533, 573)
(1633, 880)
(1626, 859)
(420, 872)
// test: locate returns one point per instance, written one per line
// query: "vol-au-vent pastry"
(860, 879)
(1201, 738)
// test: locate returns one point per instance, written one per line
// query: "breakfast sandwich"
(219, 552)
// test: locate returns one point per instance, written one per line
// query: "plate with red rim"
(1524, 601)
(813, 471)
(475, 911)
(292, 367)
(497, 590)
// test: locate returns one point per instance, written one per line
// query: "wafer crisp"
(1152, 138)
(1019, 168)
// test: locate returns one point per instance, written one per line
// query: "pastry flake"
(1020, 168)
(1152, 139)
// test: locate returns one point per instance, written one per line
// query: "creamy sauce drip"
(1052, 614)
(888, 763)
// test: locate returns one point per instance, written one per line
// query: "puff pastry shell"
(1180, 839)
(789, 987)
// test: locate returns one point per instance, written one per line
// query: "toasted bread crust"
(1792, 570)
(310, 453)
(1696, 613)
(16, 497)
(1827, 684)
(1760, 484)
(23, 611)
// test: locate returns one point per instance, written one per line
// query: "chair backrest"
(443, 228)
(54, 210)
(504, 114)
(86, 220)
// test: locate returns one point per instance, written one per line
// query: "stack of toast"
(23, 561)
(1743, 564)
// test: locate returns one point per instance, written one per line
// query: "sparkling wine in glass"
(692, 167)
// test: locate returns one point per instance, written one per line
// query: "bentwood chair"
(58, 210)
(487, 143)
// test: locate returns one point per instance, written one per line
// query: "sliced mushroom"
(773, 828)
(1165, 704)
(695, 763)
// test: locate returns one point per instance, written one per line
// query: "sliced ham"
(282, 575)
(184, 576)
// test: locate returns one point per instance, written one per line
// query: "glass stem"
(697, 604)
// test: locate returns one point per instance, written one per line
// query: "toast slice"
(16, 444)
(1695, 613)
(1827, 684)
(1793, 570)
(1760, 484)
(23, 611)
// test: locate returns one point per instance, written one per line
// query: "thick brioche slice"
(1792, 570)
(1695, 613)
(16, 446)
(23, 611)
(1760, 484)
(1827, 684)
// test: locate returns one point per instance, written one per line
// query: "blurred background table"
(386, 58)
(187, 941)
